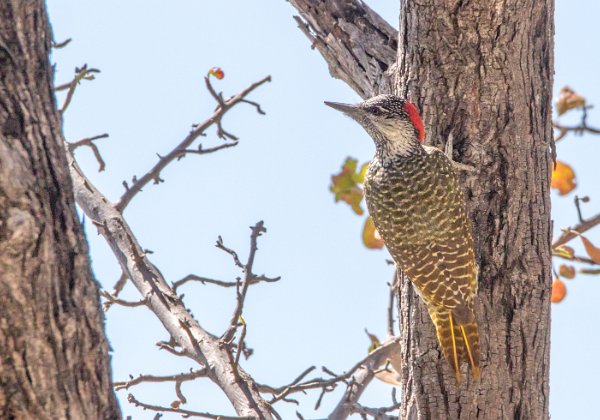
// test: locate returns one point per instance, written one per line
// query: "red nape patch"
(415, 119)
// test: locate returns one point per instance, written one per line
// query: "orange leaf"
(370, 235)
(217, 72)
(591, 250)
(566, 271)
(563, 178)
(568, 100)
(559, 291)
(175, 404)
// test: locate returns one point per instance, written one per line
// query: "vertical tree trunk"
(54, 361)
(482, 71)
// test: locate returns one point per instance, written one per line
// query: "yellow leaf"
(563, 178)
(559, 291)
(591, 250)
(568, 99)
(370, 235)
(566, 271)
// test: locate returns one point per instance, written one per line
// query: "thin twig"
(185, 413)
(257, 231)
(241, 345)
(180, 377)
(90, 143)
(564, 130)
(376, 413)
(81, 73)
(371, 362)
(578, 207)
(206, 280)
(60, 45)
(154, 172)
(120, 284)
(111, 300)
(201, 151)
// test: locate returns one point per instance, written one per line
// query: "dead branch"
(369, 363)
(184, 413)
(257, 231)
(90, 143)
(206, 280)
(201, 151)
(180, 377)
(563, 130)
(120, 284)
(154, 173)
(376, 413)
(112, 300)
(197, 343)
(59, 45)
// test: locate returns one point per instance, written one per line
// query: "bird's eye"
(375, 110)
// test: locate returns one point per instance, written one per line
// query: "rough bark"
(54, 361)
(481, 71)
(357, 43)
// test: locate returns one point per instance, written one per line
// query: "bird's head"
(393, 122)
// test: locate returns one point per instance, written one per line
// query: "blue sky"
(153, 56)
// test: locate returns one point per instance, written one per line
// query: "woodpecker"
(419, 209)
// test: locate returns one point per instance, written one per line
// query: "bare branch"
(120, 284)
(198, 130)
(90, 143)
(59, 45)
(358, 45)
(184, 413)
(201, 151)
(114, 300)
(241, 344)
(206, 280)
(257, 231)
(563, 130)
(180, 377)
(197, 343)
(368, 363)
(376, 413)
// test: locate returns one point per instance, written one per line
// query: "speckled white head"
(393, 122)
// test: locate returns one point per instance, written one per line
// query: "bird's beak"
(350, 110)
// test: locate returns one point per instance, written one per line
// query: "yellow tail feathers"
(459, 341)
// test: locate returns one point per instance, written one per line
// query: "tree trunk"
(54, 361)
(482, 71)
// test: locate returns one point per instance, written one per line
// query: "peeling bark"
(359, 45)
(54, 361)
